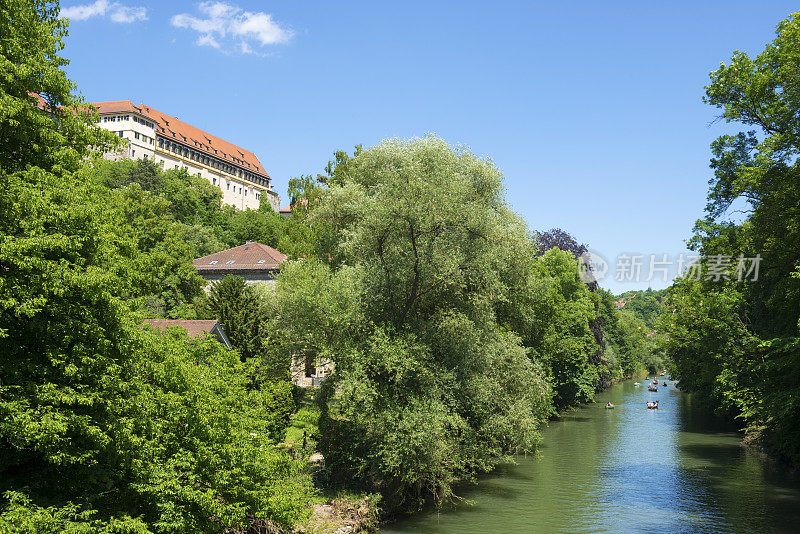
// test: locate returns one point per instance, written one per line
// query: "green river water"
(676, 469)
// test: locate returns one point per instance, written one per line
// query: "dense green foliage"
(734, 339)
(105, 427)
(647, 306)
(454, 338)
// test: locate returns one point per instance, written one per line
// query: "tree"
(57, 139)
(427, 387)
(558, 238)
(238, 308)
(563, 308)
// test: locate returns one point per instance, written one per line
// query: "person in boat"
(609, 405)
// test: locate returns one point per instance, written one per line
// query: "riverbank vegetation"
(733, 336)
(454, 332)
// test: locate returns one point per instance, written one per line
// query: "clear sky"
(592, 110)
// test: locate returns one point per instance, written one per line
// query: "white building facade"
(174, 144)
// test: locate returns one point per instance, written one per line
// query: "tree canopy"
(734, 338)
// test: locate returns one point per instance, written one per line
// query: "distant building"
(256, 263)
(194, 328)
(287, 210)
(174, 144)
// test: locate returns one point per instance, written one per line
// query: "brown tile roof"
(41, 103)
(193, 327)
(172, 128)
(288, 209)
(116, 106)
(251, 256)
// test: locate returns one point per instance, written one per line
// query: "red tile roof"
(288, 209)
(193, 327)
(170, 127)
(116, 106)
(251, 256)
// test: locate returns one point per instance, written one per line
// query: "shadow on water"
(575, 419)
(678, 469)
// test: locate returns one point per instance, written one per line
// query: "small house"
(255, 262)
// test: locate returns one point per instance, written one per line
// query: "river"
(630, 469)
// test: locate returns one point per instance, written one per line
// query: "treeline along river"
(629, 469)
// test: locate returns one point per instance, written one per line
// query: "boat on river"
(651, 387)
(655, 381)
(652, 405)
(610, 406)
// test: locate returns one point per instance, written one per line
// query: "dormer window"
(262, 261)
(213, 262)
(229, 262)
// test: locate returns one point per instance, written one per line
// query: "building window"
(136, 135)
(229, 186)
(133, 153)
(120, 134)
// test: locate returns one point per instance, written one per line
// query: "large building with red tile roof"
(255, 262)
(174, 144)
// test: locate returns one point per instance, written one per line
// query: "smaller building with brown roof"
(255, 262)
(194, 328)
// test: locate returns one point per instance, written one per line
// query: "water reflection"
(629, 470)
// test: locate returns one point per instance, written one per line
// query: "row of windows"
(211, 161)
(234, 188)
(115, 118)
(144, 138)
(231, 262)
(144, 122)
(120, 118)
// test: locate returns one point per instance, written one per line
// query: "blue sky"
(592, 110)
